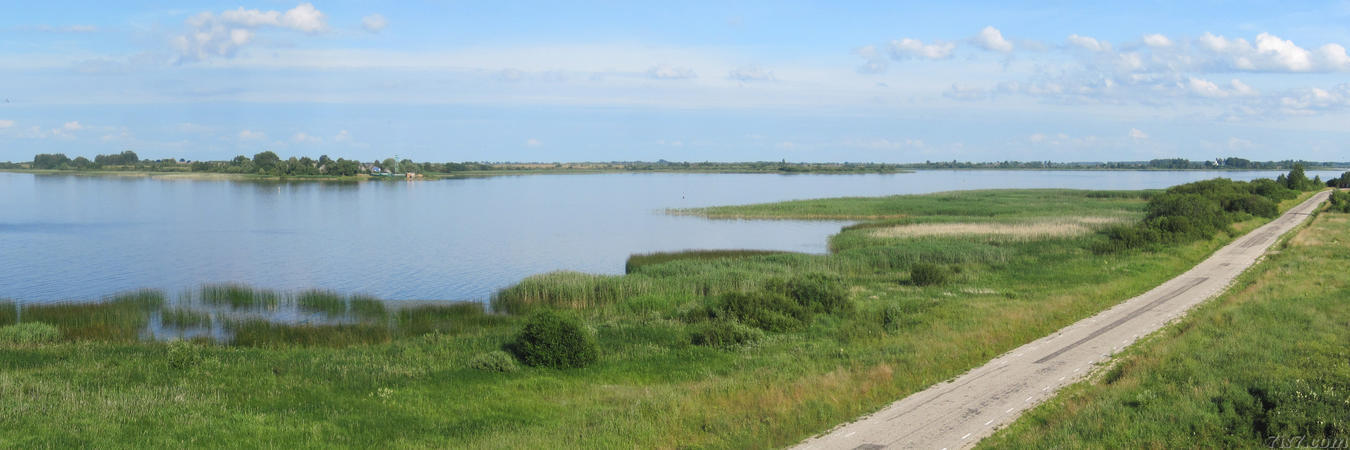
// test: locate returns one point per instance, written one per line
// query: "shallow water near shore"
(74, 238)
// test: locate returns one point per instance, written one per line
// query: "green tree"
(266, 161)
(50, 161)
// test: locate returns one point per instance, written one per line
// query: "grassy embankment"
(408, 378)
(1262, 365)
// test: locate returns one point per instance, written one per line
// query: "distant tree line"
(269, 163)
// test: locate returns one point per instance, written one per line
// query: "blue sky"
(600, 81)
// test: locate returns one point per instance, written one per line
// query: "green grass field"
(1264, 365)
(404, 377)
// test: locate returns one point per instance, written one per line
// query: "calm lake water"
(79, 238)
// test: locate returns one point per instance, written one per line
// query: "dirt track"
(960, 412)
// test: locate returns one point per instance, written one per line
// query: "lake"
(69, 237)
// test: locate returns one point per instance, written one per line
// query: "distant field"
(1263, 365)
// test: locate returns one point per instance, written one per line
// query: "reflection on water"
(65, 237)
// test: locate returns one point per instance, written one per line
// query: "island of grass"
(1264, 365)
(747, 350)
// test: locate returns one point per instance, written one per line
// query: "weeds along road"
(960, 412)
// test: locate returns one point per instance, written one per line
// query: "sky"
(681, 81)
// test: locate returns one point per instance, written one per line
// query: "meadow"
(1263, 365)
(736, 349)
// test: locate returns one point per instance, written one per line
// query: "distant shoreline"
(188, 175)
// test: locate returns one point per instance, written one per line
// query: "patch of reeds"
(450, 317)
(9, 313)
(645, 259)
(321, 301)
(239, 296)
(184, 318)
(367, 307)
(261, 333)
(120, 318)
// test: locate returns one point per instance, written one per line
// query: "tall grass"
(239, 296)
(639, 260)
(184, 318)
(9, 313)
(320, 301)
(120, 318)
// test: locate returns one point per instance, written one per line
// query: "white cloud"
(374, 23)
(6, 123)
(249, 135)
(875, 62)
(667, 72)
(222, 35)
(1088, 43)
(1138, 134)
(1205, 88)
(343, 136)
(751, 73)
(72, 126)
(305, 138)
(915, 49)
(1157, 41)
(991, 39)
(960, 91)
(532, 142)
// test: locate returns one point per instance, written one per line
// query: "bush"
(819, 293)
(766, 310)
(494, 361)
(724, 334)
(553, 340)
(1340, 202)
(926, 274)
(29, 333)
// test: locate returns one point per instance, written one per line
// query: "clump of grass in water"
(444, 318)
(320, 301)
(238, 296)
(261, 333)
(367, 307)
(184, 318)
(120, 318)
(8, 313)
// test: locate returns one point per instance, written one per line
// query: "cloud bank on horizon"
(694, 81)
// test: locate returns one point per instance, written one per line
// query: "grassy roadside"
(1262, 365)
(653, 385)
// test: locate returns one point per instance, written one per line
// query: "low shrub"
(494, 361)
(29, 333)
(1340, 202)
(927, 274)
(550, 339)
(724, 334)
(817, 292)
(766, 310)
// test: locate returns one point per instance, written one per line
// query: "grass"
(1005, 205)
(410, 378)
(184, 318)
(325, 302)
(646, 259)
(1263, 364)
(238, 296)
(120, 318)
